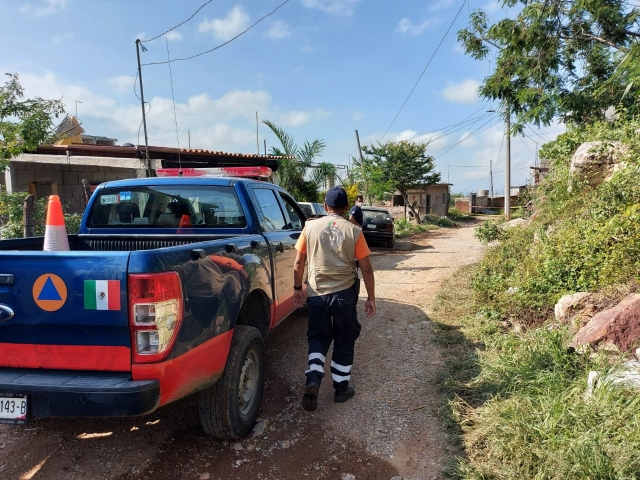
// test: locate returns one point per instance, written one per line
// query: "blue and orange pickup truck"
(170, 288)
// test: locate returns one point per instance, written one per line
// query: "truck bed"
(112, 243)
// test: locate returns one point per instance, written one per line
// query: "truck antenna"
(173, 98)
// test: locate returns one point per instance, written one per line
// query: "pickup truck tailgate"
(69, 311)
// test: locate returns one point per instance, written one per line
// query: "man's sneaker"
(344, 394)
(310, 398)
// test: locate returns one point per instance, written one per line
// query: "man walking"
(355, 215)
(329, 247)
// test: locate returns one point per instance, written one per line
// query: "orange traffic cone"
(55, 234)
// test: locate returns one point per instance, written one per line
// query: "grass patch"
(457, 216)
(404, 228)
(439, 221)
(516, 401)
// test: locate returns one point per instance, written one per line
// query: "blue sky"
(318, 68)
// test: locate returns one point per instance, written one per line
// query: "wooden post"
(87, 190)
(28, 216)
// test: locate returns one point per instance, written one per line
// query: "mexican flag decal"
(102, 294)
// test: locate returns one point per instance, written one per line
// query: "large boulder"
(617, 327)
(576, 309)
(597, 161)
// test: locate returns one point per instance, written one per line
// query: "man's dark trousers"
(332, 317)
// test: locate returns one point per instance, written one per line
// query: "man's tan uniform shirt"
(332, 245)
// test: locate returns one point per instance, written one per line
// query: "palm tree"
(296, 161)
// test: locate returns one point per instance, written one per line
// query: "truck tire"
(229, 408)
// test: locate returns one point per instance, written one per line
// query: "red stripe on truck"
(65, 357)
(190, 371)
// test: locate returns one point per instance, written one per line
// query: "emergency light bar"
(257, 171)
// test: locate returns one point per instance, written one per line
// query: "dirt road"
(389, 429)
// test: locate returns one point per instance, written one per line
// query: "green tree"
(371, 179)
(296, 160)
(24, 124)
(402, 165)
(566, 59)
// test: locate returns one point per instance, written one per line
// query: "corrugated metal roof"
(169, 156)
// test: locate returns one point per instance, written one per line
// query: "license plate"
(13, 408)
(372, 226)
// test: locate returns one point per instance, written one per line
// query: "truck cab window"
(295, 221)
(273, 218)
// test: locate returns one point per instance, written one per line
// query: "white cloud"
(173, 36)
(466, 140)
(47, 7)
(228, 27)
(404, 135)
(225, 123)
(306, 49)
(335, 7)
(296, 118)
(62, 37)
(440, 5)
(122, 83)
(278, 31)
(463, 92)
(407, 26)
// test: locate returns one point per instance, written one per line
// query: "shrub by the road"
(11, 209)
(516, 393)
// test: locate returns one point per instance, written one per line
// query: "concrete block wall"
(68, 179)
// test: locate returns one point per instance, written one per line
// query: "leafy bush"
(404, 228)
(458, 216)
(439, 221)
(11, 208)
(488, 232)
(581, 238)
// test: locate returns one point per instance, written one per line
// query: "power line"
(222, 44)
(464, 120)
(180, 24)
(444, 150)
(425, 69)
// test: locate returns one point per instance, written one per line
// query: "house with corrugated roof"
(61, 168)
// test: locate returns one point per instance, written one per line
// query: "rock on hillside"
(597, 161)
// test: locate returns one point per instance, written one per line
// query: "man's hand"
(370, 308)
(300, 298)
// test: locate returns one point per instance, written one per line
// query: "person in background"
(329, 248)
(355, 215)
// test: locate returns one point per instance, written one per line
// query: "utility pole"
(491, 179)
(189, 134)
(147, 165)
(364, 183)
(507, 172)
(257, 135)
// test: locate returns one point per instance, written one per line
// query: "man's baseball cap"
(336, 197)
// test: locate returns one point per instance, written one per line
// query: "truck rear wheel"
(229, 408)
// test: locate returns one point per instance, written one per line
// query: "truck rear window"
(167, 207)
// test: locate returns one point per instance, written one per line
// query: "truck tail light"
(155, 314)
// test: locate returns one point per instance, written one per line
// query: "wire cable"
(222, 44)
(425, 68)
(180, 24)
